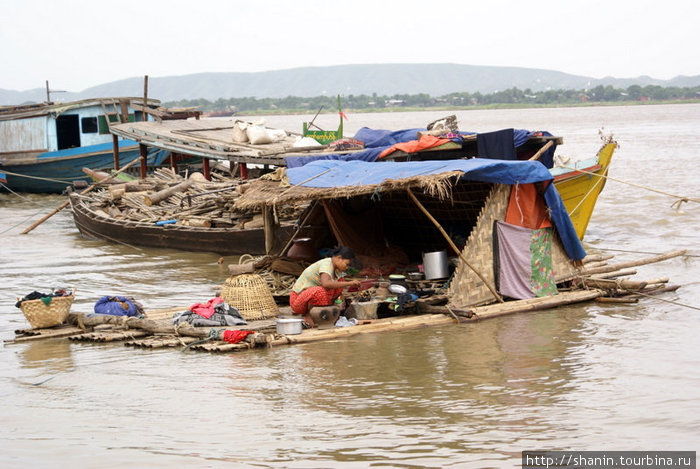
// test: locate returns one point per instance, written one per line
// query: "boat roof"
(23, 111)
(212, 138)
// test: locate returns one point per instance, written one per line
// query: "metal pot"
(289, 326)
(435, 265)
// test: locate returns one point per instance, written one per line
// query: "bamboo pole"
(65, 204)
(452, 244)
(625, 265)
(539, 153)
(534, 304)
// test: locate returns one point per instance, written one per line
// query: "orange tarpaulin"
(526, 208)
(413, 146)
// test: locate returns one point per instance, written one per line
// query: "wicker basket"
(250, 295)
(41, 316)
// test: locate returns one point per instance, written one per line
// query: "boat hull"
(579, 190)
(51, 172)
(222, 241)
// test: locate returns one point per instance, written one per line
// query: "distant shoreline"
(372, 110)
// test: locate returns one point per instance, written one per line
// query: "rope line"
(638, 252)
(668, 301)
(63, 180)
(586, 196)
(680, 197)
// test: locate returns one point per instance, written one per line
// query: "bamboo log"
(597, 258)
(534, 304)
(624, 265)
(154, 199)
(607, 283)
(617, 273)
(199, 222)
(539, 153)
(608, 299)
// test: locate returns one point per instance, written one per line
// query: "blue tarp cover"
(333, 173)
(378, 140)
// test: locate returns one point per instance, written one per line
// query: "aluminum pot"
(435, 265)
(289, 326)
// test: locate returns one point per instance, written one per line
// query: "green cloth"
(311, 276)
(46, 300)
(542, 280)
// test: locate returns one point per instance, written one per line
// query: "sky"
(76, 44)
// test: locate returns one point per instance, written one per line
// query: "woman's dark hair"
(344, 252)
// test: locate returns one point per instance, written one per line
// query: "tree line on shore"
(510, 97)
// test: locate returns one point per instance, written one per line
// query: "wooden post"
(115, 150)
(124, 104)
(269, 226)
(244, 171)
(205, 169)
(143, 151)
(145, 97)
(452, 244)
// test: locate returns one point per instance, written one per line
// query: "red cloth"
(314, 296)
(413, 146)
(233, 337)
(206, 309)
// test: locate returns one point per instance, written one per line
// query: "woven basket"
(250, 295)
(41, 316)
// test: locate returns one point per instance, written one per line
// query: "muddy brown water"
(584, 377)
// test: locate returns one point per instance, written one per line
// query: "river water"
(585, 377)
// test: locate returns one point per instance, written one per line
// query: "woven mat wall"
(467, 289)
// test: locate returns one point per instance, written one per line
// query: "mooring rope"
(638, 252)
(63, 180)
(585, 196)
(680, 198)
(668, 301)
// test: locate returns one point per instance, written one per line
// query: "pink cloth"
(206, 309)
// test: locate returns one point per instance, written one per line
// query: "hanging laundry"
(523, 261)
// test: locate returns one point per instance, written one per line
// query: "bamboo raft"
(596, 280)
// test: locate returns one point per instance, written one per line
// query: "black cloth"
(498, 145)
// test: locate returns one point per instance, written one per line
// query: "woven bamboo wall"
(466, 288)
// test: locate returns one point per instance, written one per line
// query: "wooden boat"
(229, 241)
(43, 147)
(580, 185)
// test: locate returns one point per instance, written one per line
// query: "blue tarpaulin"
(378, 140)
(333, 173)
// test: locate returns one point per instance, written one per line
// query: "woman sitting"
(321, 283)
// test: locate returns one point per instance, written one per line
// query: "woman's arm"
(328, 283)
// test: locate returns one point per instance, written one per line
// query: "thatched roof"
(265, 192)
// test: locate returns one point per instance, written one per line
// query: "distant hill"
(383, 79)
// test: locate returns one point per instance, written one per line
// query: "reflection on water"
(586, 377)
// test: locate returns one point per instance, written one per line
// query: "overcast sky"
(76, 44)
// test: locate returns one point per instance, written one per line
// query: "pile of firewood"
(167, 196)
